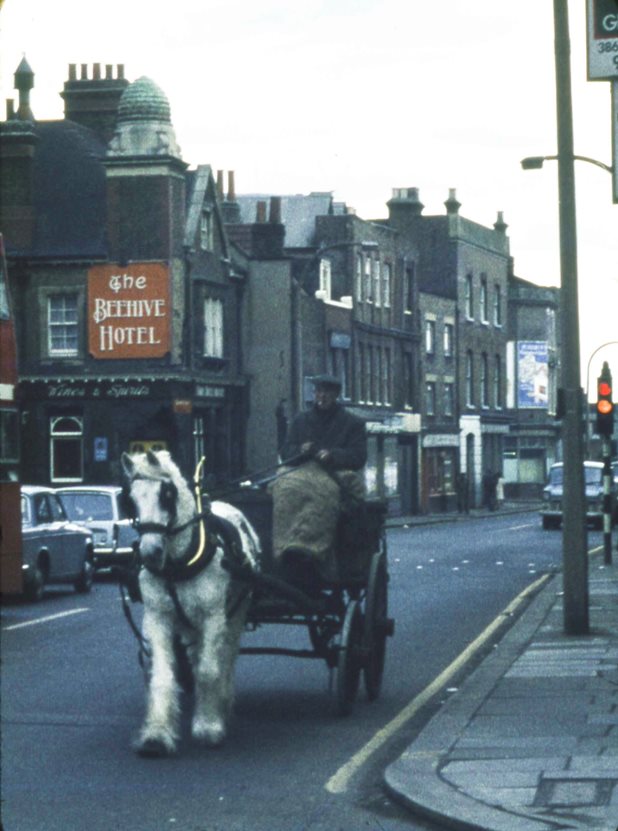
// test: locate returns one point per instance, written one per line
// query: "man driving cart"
(324, 454)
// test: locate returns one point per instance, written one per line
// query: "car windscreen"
(84, 507)
(594, 475)
(556, 476)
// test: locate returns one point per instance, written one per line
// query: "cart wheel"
(349, 659)
(377, 625)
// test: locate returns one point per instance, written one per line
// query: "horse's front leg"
(160, 730)
(212, 693)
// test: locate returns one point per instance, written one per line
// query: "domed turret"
(144, 125)
(143, 100)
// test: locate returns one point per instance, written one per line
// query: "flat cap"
(326, 381)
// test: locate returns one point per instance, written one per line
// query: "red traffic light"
(605, 407)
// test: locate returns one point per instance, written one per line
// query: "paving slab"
(530, 740)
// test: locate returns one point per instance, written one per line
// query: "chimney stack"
(93, 102)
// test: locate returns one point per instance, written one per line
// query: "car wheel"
(83, 584)
(35, 585)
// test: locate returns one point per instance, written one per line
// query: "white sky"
(358, 97)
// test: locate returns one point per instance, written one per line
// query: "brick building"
(466, 265)
(125, 298)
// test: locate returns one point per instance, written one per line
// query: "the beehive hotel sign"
(129, 311)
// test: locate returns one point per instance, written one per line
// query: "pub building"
(126, 301)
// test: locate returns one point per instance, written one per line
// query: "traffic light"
(605, 405)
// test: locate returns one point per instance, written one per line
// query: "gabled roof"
(298, 213)
(199, 183)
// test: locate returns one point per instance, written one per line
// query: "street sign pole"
(574, 541)
(614, 93)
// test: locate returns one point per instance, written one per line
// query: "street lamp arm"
(536, 162)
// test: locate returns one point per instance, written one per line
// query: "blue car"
(54, 550)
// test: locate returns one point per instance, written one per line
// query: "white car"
(551, 512)
(54, 550)
(100, 509)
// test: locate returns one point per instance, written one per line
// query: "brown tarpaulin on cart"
(306, 505)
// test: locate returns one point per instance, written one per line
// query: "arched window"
(66, 449)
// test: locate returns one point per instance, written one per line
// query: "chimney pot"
(452, 205)
(275, 210)
(260, 212)
(72, 72)
(231, 188)
(96, 71)
(220, 184)
(120, 71)
(84, 75)
(10, 109)
(109, 71)
(500, 225)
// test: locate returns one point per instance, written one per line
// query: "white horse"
(187, 593)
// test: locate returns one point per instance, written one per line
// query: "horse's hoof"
(153, 749)
(209, 734)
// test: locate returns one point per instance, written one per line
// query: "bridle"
(204, 552)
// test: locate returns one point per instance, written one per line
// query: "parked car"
(54, 550)
(100, 509)
(551, 512)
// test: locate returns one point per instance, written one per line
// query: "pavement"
(529, 742)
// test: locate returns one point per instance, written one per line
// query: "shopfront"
(75, 430)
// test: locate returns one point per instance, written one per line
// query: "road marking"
(45, 619)
(517, 527)
(338, 783)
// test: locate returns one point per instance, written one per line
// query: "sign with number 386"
(602, 20)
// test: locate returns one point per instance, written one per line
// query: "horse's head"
(159, 499)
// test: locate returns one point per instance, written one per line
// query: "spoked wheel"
(350, 658)
(377, 625)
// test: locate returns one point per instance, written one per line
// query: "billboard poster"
(602, 24)
(532, 374)
(129, 311)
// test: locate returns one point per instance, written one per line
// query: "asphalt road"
(72, 699)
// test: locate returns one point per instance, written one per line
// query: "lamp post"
(574, 541)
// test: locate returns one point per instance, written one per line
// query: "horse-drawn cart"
(205, 570)
(347, 619)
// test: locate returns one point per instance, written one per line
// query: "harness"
(200, 553)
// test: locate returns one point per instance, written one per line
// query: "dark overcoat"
(335, 430)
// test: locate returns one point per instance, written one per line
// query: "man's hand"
(323, 456)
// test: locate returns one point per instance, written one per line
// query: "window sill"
(214, 363)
